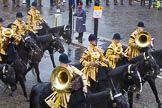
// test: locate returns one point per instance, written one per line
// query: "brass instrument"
(37, 25)
(7, 32)
(95, 56)
(118, 50)
(61, 79)
(143, 39)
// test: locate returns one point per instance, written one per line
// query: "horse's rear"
(38, 94)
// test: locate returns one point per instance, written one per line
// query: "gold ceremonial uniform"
(111, 53)
(61, 99)
(19, 28)
(2, 50)
(133, 49)
(91, 54)
(4, 42)
(34, 19)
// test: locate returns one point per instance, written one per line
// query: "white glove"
(83, 24)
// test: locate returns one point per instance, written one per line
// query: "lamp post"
(70, 15)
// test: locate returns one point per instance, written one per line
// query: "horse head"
(64, 31)
(30, 44)
(56, 43)
(7, 75)
(66, 34)
(147, 64)
(127, 74)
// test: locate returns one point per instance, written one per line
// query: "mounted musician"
(69, 85)
(114, 51)
(5, 38)
(91, 58)
(135, 40)
(34, 18)
(19, 27)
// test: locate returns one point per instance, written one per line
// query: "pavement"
(121, 19)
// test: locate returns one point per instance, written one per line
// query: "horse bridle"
(4, 76)
(146, 60)
(130, 77)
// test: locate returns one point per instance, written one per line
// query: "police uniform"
(61, 99)
(91, 54)
(34, 18)
(133, 49)
(111, 53)
(19, 28)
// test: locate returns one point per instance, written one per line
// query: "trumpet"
(118, 50)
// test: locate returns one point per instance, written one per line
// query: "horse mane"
(44, 38)
(56, 29)
(137, 59)
(118, 70)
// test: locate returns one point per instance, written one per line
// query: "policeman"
(91, 59)
(66, 98)
(133, 49)
(34, 19)
(114, 51)
(19, 27)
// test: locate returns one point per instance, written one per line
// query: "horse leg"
(21, 80)
(130, 98)
(36, 66)
(152, 84)
(52, 58)
(31, 66)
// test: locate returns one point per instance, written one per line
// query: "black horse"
(41, 91)
(47, 42)
(119, 77)
(149, 70)
(63, 31)
(22, 54)
(7, 75)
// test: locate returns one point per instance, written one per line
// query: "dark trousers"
(28, 2)
(80, 37)
(51, 2)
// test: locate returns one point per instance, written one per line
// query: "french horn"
(118, 50)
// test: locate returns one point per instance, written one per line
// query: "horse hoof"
(11, 94)
(138, 96)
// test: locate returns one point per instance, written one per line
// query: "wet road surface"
(122, 19)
